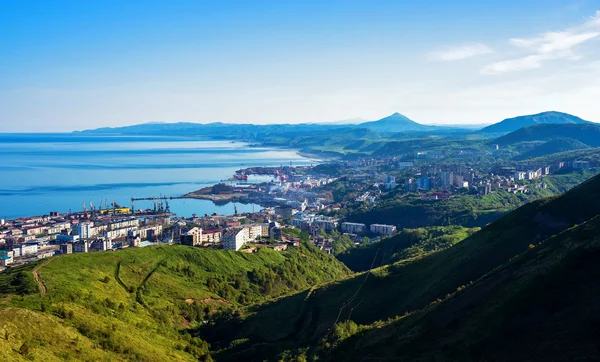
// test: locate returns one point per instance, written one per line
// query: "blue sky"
(67, 65)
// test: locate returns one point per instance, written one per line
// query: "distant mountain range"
(513, 124)
(394, 123)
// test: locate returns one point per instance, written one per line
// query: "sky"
(72, 65)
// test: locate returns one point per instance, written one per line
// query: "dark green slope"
(541, 306)
(588, 134)
(553, 146)
(406, 287)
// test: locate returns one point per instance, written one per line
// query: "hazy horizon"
(71, 65)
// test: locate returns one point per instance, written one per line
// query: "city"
(297, 197)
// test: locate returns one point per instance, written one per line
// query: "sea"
(40, 173)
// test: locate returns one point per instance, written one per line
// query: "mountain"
(553, 146)
(513, 124)
(540, 306)
(588, 133)
(396, 123)
(407, 288)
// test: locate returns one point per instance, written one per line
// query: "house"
(212, 236)
(66, 248)
(192, 237)
(6, 257)
(278, 247)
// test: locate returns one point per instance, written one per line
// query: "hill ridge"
(549, 117)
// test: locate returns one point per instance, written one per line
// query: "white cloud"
(548, 46)
(554, 41)
(513, 65)
(461, 52)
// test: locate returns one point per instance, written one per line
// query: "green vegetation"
(144, 303)
(465, 210)
(408, 244)
(553, 146)
(542, 305)
(468, 210)
(588, 134)
(590, 154)
(408, 288)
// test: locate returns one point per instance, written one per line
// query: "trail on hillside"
(37, 278)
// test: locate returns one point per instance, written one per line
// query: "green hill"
(408, 244)
(404, 287)
(589, 154)
(540, 306)
(144, 303)
(588, 134)
(513, 124)
(553, 146)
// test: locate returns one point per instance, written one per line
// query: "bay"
(40, 173)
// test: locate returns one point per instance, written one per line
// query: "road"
(37, 278)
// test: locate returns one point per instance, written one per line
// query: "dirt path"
(37, 278)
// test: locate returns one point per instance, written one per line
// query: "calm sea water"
(40, 173)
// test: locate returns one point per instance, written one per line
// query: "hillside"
(588, 134)
(408, 244)
(513, 124)
(144, 303)
(404, 287)
(589, 154)
(553, 146)
(541, 305)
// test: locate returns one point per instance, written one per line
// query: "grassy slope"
(406, 287)
(409, 243)
(137, 304)
(542, 305)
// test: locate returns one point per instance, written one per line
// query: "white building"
(86, 230)
(119, 233)
(254, 231)
(383, 229)
(390, 182)
(29, 249)
(327, 224)
(353, 227)
(234, 239)
(520, 175)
